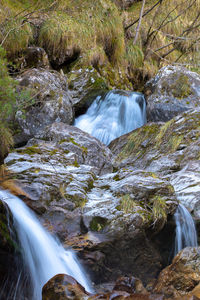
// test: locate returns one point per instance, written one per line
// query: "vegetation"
(169, 34)
(108, 37)
(85, 33)
(7, 101)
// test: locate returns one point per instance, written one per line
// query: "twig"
(148, 11)
(139, 23)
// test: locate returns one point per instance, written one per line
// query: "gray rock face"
(51, 101)
(172, 91)
(87, 149)
(84, 86)
(58, 172)
(171, 150)
(122, 203)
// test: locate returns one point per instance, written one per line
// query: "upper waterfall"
(185, 229)
(113, 115)
(43, 256)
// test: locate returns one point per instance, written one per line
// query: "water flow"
(185, 229)
(118, 113)
(44, 257)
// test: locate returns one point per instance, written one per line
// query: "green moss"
(53, 152)
(30, 150)
(127, 204)
(98, 223)
(181, 87)
(62, 141)
(159, 208)
(5, 235)
(85, 150)
(116, 177)
(71, 140)
(76, 164)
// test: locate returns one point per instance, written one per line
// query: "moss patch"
(98, 223)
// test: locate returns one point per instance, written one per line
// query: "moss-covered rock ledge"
(170, 149)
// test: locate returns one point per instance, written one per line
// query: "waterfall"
(44, 257)
(117, 113)
(185, 229)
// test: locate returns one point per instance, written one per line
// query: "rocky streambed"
(113, 205)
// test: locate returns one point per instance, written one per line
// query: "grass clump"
(93, 29)
(159, 208)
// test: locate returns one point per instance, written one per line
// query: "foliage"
(169, 34)
(7, 101)
(10, 100)
(83, 26)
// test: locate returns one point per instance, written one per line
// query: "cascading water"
(43, 256)
(185, 229)
(118, 113)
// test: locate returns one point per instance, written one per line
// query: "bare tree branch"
(148, 11)
(139, 23)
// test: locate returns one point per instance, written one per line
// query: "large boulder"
(129, 207)
(87, 149)
(49, 102)
(63, 287)
(122, 203)
(182, 276)
(171, 150)
(58, 172)
(172, 91)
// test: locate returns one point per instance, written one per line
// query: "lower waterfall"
(185, 229)
(117, 113)
(43, 256)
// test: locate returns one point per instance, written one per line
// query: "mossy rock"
(160, 147)
(85, 84)
(7, 236)
(172, 91)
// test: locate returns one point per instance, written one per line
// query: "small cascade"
(113, 115)
(185, 229)
(43, 256)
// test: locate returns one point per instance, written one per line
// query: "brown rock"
(129, 285)
(181, 277)
(63, 287)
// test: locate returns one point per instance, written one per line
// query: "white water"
(118, 113)
(42, 254)
(185, 229)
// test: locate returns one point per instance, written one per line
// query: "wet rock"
(186, 183)
(57, 174)
(87, 149)
(172, 91)
(122, 202)
(63, 287)
(130, 285)
(49, 101)
(122, 206)
(171, 150)
(9, 252)
(182, 276)
(85, 84)
(55, 184)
